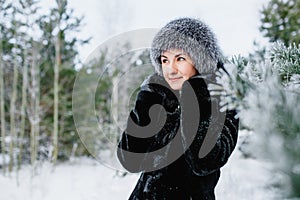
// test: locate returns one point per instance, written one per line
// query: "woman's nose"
(173, 67)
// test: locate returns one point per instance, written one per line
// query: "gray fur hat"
(193, 37)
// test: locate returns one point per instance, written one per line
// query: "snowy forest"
(42, 126)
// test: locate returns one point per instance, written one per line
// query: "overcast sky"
(235, 22)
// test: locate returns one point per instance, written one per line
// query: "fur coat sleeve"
(216, 135)
(153, 123)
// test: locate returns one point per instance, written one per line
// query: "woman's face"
(177, 67)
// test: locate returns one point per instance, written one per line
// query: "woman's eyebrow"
(180, 54)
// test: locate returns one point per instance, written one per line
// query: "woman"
(176, 136)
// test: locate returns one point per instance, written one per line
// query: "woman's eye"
(164, 60)
(180, 58)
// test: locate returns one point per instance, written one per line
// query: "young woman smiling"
(179, 146)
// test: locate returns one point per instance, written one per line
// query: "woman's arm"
(151, 125)
(134, 144)
(217, 131)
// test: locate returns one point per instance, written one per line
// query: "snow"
(87, 179)
(245, 179)
(84, 179)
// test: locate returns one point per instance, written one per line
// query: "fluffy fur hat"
(192, 36)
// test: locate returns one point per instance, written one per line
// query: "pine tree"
(280, 21)
(58, 67)
(269, 106)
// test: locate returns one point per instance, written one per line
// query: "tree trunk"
(23, 108)
(37, 102)
(2, 111)
(56, 94)
(34, 107)
(13, 100)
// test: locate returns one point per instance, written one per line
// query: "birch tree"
(33, 111)
(37, 72)
(59, 55)
(14, 93)
(29, 59)
(5, 46)
(56, 88)
(2, 111)
(23, 109)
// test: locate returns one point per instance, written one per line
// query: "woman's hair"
(193, 37)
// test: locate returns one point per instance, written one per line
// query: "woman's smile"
(173, 79)
(177, 67)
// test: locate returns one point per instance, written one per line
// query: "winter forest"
(61, 117)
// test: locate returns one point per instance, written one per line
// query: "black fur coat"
(179, 146)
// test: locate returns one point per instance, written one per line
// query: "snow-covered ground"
(87, 179)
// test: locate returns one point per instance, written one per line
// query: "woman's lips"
(175, 78)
